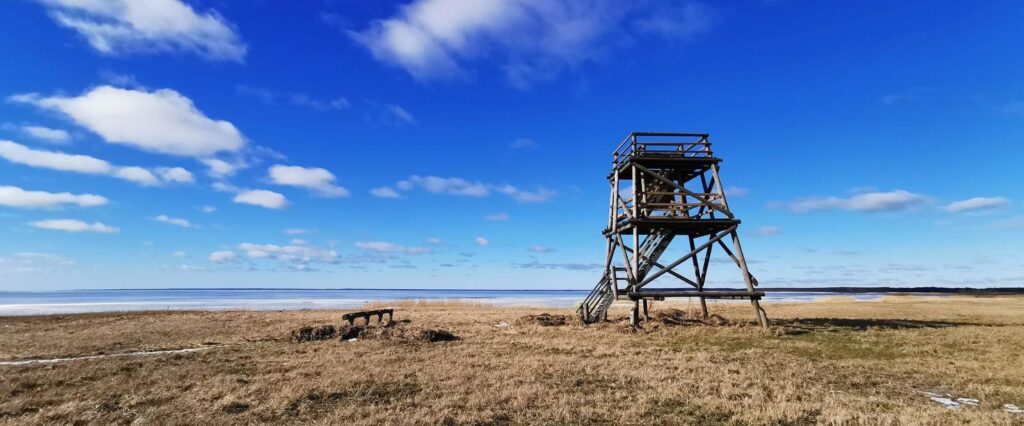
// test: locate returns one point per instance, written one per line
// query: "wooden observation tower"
(665, 188)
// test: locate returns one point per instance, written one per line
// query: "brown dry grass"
(835, 362)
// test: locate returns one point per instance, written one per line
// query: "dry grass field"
(829, 362)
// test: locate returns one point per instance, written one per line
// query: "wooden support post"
(634, 314)
(647, 313)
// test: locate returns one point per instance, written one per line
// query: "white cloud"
(179, 254)
(396, 115)
(47, 134)
(175, 174)
(262, 198)
(12, 196)
(220, 169)
(434, 39)
(768, 231)
(74, 225)
(296, 251)
(522, 196)
(136, 174)
(316, 179)
(540, 249)
(481, 241)
(501, 216)
(173, 221)
(434, 241)
(161, 121)
(386, 247)
(222, 256)
(295, 231)
(865, 202)
(384, 192)
(736, 191)
(20, 154)
(976, 203)
(270, 96)
(128, 26)
(450, 186)
(207, 209)
(463, 187)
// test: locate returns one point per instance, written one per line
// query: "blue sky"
(465, 144)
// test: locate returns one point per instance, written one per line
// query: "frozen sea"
(108, 300)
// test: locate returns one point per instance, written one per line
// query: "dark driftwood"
(379, 313)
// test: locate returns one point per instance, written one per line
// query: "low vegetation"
(834, 361)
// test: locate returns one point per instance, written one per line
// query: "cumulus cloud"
(865, 202)
(73, 225)
(534, 39)
(12, 196)
(467, 188)
(481, 241)
(47, 134)
(174, 221)
(976, 203)
(175, 174)
(207, 209)
(318, 180)
(161, 121)
(136, 174)
(222, 256)
(498, 217)
(386, 247)
(129, 26)
(262, 198)
(54, 160)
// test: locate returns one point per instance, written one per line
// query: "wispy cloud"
(47, 134)
(864, 202)
(497, 217)
(74, 163)
(13, 196)
(567, 266)
(184, 223)
(468, 188)
(74, 226)
(386, 247)
(766, 231)
(131, 26)
(976, 203)
(533, 39)
(298, 99)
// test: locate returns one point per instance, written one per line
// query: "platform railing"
(661, 145)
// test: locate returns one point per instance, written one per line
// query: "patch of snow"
(79, 358)
(1010, 408)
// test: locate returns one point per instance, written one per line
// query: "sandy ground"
(833, 361)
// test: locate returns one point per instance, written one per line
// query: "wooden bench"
(379, 313)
